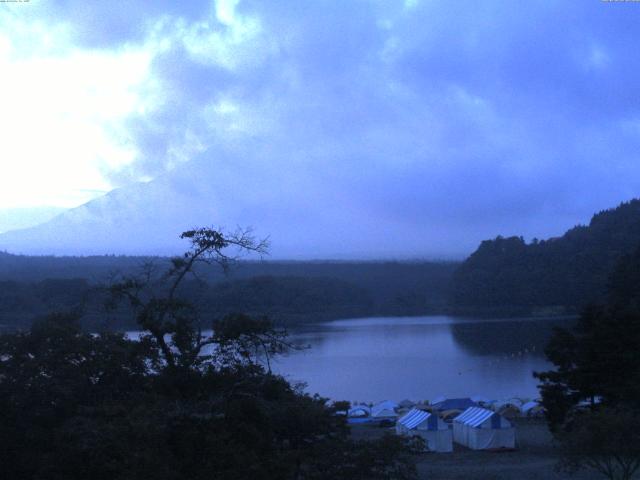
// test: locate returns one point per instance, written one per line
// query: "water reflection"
(419, 357)
(506, 337)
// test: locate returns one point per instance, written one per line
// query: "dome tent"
(386, 409)
(359, 414)
(359, 411)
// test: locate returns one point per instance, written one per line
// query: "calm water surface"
(371, 359)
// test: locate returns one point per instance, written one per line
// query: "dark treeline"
(559, 275)
(22, 302)
(288, 292)
(27, 269)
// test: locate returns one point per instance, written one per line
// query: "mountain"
(18, 218)
(304, 219)
(559, 275)
(128, 220)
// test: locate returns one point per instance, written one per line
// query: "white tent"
(359, 411)
(430, 427)
(386, 409)
(482, 429)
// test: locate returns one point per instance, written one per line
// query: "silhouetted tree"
(171, 321)
(598, 361)
(592, 397)
(606, 441)
(176, 404)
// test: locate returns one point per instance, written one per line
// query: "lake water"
(371, 359)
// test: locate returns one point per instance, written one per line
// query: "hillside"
(559, 275)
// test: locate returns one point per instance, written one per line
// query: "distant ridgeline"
(560, 275)
(288, 292)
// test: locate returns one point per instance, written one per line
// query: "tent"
(507, 409)
(515, 401)
(359, 411)
(482, 429)
(449, 415)
(454, 404)
(532, 409)
(359, 414)
(480, 400)
(433, 430)
(386, 409)
(406, 403)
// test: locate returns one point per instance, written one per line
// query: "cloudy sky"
(472, 117)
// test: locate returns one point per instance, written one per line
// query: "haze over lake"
(370, 359)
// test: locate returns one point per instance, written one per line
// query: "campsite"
(535, 458)
(532, 453)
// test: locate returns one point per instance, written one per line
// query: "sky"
(475, 118)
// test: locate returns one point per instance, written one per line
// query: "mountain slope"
(560, 274)
(104, 225)
(17, 218)
(303, 219)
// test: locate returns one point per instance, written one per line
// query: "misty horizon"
(151, 251)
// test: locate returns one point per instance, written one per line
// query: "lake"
(418, 358)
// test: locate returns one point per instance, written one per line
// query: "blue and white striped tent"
(481, 429)
(430, 427)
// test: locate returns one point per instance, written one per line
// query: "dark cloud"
(451, 121)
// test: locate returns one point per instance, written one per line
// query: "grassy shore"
(535, 457)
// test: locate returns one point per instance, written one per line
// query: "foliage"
(176, 404)
(508, 275)
(287, 292)
(599, 360)
(287, 297)
(172, 322)
(55, 379)
(592, 397)
(605, 440)
(388, 458)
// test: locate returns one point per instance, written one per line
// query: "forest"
(287, 292)
(508, 276)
